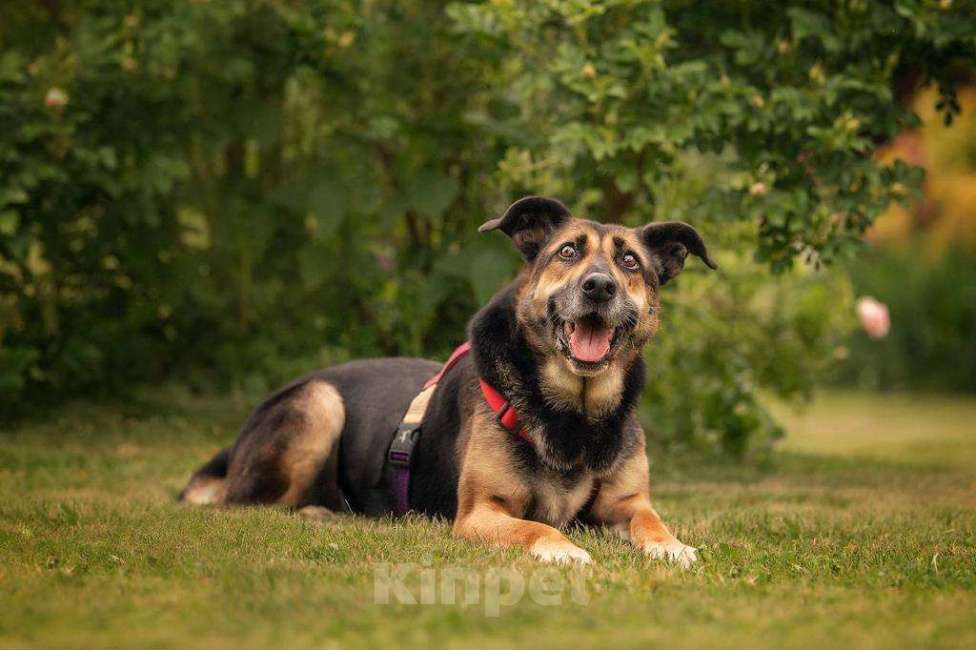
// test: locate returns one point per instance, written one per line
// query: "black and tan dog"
(561, 344)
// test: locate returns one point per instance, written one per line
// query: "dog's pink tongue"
(590, 343)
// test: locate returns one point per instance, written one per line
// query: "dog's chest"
(556, 501)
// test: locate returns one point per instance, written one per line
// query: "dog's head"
(590, 290)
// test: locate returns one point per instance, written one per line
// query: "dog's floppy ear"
(529, 222)
(669, 243)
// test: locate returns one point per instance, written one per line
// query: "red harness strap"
(456, 356)
(507, 416)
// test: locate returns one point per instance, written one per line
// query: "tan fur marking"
(603, 391)
(556, 275)
(561, 387)
(624, 504)
(324, 416)
(633, 283)
(486, 467)
(556, 505)
(204, 490)
(646, 527)
(643, 294)
(595, 394)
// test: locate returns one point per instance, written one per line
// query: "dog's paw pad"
(681, 554)
(562, 552)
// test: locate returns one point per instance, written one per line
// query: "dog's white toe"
(562, 552)
(681, 554)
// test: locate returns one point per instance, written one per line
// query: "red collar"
(507, 415)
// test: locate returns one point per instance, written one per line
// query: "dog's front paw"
(560, 551)
(673, 551)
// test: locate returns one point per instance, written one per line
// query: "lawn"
(862, 532)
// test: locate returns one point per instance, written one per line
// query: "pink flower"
(385, 262)
(758, 189)
(874, 317)
(55, 98)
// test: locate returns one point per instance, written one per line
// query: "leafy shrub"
(231, 186)
(724, 338)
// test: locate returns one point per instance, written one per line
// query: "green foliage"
(723, 339)
(796, 94)
(234, 191)
(234, 185)
(932, 342)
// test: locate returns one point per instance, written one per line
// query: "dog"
(529, 428)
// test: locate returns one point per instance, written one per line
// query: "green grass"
(862, 533)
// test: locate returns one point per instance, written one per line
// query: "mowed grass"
(862, 533)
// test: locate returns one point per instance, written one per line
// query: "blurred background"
(223, 195)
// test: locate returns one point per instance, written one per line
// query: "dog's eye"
(567, 252)
(629, 261)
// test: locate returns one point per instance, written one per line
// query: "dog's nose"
(599, 287)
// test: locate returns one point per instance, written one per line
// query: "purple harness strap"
(401, 450)
(401, 489)
(408, 433)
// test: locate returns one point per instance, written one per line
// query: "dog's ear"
(670, 242)
(530, 222)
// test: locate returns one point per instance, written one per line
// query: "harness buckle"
(401, 449)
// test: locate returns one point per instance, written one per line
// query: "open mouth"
(589, 339)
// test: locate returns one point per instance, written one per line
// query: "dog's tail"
(207, 483)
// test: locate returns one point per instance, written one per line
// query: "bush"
(723, 339)
(232, 186)
(229, 191)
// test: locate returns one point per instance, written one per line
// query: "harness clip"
(401, 449)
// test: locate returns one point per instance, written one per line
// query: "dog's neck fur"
(576, 422)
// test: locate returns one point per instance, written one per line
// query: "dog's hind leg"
(310, 461)
(207, 483)
(289, 456)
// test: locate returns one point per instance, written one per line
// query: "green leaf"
(488, 271)
(328, 203)
(9, 220)
(808, 24)
(431, 193)
(314, 265)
